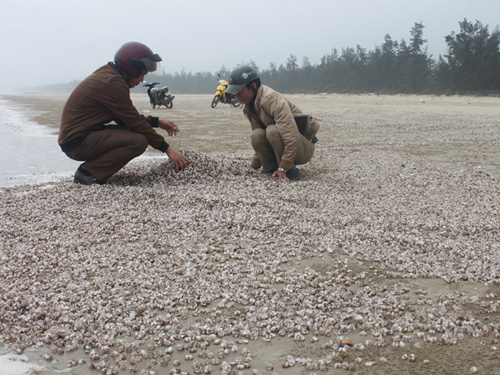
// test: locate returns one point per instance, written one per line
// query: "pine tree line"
(470, 66)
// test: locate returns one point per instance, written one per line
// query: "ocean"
(29, 153)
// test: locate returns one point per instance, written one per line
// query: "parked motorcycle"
(159, 97)
(221, 96)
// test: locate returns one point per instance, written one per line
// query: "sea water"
(29, 153)
(13, 364)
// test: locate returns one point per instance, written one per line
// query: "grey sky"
(53, 41)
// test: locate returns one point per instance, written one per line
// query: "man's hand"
(169, 126)
(281, 175)
(179, 160)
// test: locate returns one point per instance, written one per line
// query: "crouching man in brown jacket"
(100, 125)
(282, 136)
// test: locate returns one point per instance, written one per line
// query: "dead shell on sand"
(160, 271)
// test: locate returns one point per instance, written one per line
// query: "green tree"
(291, 63)
(473, 59)
(415, 64)
(381, 68)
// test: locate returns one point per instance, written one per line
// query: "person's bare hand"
(170, 126)
(180, 161)
(281, 175)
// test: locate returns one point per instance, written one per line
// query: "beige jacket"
(272, 108)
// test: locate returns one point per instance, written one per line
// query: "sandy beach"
(383, 259)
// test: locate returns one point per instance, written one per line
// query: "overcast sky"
(54, 41)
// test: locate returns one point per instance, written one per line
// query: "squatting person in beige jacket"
(282, 136)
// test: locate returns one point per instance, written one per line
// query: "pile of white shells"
(221, 269)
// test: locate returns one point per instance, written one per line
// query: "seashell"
(346, 342)
(47, 356)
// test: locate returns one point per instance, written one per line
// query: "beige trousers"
(269, 146)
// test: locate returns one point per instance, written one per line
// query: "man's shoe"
(293, 173)
(84, 177)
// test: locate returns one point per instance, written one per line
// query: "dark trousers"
(107, 151)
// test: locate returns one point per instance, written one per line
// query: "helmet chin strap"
(122, 73)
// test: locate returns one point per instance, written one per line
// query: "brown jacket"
(272, 108)
(102, 98)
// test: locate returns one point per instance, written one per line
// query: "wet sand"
(446, 130)
(384, 259)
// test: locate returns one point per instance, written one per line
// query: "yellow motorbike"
(221, 96)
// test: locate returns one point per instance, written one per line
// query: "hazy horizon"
(59, 41)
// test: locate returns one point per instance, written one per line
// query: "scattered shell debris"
(221, 269)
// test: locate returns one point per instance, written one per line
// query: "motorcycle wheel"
(236, 102)
(167, 103)
(215, 101)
